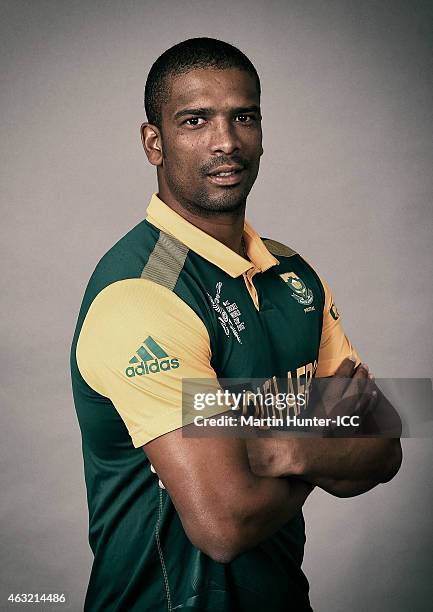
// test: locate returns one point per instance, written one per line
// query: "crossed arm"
(343, 467)
(224, 507)
(230, 494)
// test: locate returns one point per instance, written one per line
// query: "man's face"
(211, 139)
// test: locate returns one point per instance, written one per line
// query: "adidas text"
(152, 367)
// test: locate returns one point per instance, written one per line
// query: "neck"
(226, 227)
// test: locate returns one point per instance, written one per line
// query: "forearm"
(354, 459)
(345, 488)
(356, 466)
(364, 462)
(273, 503)
(262, 508)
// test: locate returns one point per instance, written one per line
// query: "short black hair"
(185, 56)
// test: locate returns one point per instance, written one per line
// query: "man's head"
(202, 100)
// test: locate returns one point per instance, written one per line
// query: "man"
(194, 292)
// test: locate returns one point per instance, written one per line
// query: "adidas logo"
(151, 359)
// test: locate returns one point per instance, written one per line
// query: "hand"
(350, 392)
(267, 455)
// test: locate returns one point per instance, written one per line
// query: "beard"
(227, 201)
(207, 202)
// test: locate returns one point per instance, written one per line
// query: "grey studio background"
(346, 180)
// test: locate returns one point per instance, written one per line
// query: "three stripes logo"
(151, 359)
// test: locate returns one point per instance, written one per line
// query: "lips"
(226, 169)
(226, 175)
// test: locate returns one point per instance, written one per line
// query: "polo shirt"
(169, 302)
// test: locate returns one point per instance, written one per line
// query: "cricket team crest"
(301, 293)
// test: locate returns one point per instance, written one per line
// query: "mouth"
(226, 175)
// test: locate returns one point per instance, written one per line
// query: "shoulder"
(295, 268)
(144, 252)
(133, 321)
(125, 259)
(289, 257)
(278, 248)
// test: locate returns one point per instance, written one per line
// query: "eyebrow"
(199, 112)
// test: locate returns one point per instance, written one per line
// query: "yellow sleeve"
(137, 342)
(334, 344)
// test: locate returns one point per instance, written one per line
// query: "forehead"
(211, 88)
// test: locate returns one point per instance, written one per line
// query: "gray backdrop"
(346, 179)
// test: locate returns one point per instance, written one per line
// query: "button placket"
(248, 277)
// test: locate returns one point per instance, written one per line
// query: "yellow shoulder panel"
(334, 344)
(137, 342)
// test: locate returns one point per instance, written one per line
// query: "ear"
(152, 143)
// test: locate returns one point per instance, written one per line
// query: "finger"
(369, 398)
(368, 422)
(343, 375)
(346, 367)
(359, 391)
(361, 371)
(360, 380)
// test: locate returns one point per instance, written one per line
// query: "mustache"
(222, 160)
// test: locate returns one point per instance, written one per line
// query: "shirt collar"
(170, 222)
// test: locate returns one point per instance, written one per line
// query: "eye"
(194, 121)
(245, 118)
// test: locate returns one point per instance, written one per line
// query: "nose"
(224, 137)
